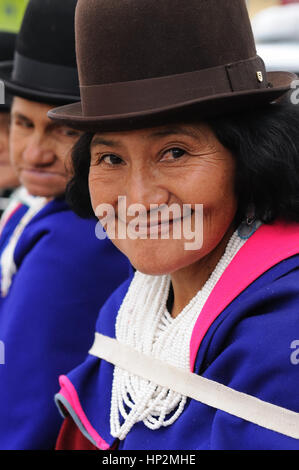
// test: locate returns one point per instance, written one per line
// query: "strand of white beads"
(144, 323)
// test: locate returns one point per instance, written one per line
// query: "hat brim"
(208, 106)
(42, 96)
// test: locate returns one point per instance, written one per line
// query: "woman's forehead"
(193, 130)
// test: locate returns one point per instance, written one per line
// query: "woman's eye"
(173, 154)
(68, 132)
(110, 159)
(24, 124)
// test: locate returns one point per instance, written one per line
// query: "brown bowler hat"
(144, 61)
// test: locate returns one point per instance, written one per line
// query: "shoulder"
(254, 348)
(57, 217)
(59, 230)
(253, 340)
(58, 245)
(266, 309)
(265, 269)
(270, 314)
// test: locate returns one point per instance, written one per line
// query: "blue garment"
(64, 275)
(247, 348)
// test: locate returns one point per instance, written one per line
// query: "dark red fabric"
(71, 438)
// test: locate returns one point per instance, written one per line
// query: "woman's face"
(180, 164)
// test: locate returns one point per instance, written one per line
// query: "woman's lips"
(160, 223)
(153, 228)
(41, 173)
(40, 177)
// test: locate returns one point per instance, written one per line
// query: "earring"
(248, 226)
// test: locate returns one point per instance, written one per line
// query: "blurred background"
(275, 25)
(11, 14)
(276, 28)
(256, 6)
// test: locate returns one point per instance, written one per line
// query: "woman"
(188, 122)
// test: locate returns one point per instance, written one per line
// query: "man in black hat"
(55, 273)
(8, 178)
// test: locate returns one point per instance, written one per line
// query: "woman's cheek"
(95, 191)
(102, 190)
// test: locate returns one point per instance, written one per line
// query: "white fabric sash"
(198, 388)
(7, 263)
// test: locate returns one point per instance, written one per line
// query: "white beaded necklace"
(144, 323)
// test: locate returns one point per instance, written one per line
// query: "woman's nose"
(146, 189)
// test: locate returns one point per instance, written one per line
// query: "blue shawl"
(64, 275)
(243, 339)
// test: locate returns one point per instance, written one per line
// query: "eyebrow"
(101, 141)
(175, 131)
(51, 125)
(21, 116)
(157, 134)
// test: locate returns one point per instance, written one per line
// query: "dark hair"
(265, 144)
(77, 191)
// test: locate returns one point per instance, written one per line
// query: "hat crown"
(139, 39)
(7, 45)
(44, 66)
(47, 32)
(145, 62)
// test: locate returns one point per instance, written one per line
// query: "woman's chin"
(152, 271)
(160, 265)
(157, 257)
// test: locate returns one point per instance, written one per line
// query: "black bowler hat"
(44, 67)
(7, 49)
(141, 61)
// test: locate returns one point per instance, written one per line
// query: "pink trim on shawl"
(9, 216)
(268, 246)
(68, 391)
